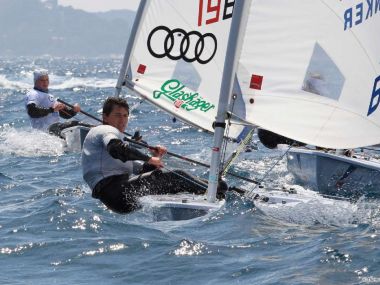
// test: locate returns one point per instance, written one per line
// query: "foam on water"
(319, 209)
(10, 84)
(29, 143)
(312, 209)
(75, 83)
(58, 83)
(368, 212)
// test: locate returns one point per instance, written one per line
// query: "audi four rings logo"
(179, 44)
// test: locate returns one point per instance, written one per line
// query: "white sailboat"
(175, 59)
(317, 67)
(306, 69)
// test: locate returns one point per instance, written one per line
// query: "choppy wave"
(11, 84)
(79, 83)
(313, 210)
(29, 143)
(59, 83)
(4, 178)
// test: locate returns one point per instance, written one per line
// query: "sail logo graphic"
(178, 44)
(375, 98)
(360, 11)
(175, 91)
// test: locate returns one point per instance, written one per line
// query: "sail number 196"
(212, 11)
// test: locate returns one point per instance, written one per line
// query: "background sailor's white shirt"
(44, 100)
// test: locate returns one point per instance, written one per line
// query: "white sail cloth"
(178, 60)
(310, 70)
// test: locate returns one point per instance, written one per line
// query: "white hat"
(38, 74)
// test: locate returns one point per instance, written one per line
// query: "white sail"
(310, 70)
(178, 59)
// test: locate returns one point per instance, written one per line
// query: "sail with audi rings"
(178, 56)
(310, 70)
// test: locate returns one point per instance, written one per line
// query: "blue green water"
(53, 232)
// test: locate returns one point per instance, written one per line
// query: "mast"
(130, 46)
(239, 18)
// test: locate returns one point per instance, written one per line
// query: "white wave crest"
(29, 143)
(9, 84)
(75, 82)
(308, 208)
(58, 83)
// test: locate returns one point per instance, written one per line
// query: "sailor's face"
(118, 118)
(43, 82)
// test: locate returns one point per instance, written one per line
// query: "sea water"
(53, 232)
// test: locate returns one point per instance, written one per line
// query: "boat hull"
(178, 207)
(334, 174)
(74, 137)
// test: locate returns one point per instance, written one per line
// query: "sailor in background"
(43, 109)
(271, 140)
(111, 169)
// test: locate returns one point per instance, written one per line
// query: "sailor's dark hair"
(114, 101)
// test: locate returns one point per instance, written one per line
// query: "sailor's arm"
(67, 112)
(119, 150)
(38, 112)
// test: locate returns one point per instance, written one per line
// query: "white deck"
(178, 207)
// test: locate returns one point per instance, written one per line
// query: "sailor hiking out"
(118, 173)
